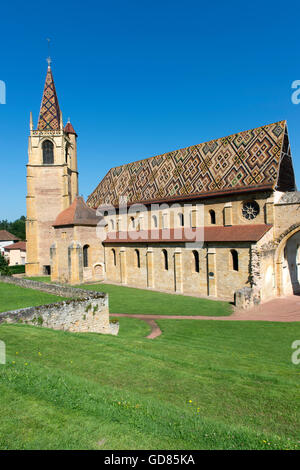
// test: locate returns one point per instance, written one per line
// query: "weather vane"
(49, 58)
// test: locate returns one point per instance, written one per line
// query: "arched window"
(48, 156)
(132, 222)
(234, 260)
(85, 256)
(154, 221)
(113, 251)
(165, 259)
(196, 261)
(212, 217)
(181, 220)
(138, 261)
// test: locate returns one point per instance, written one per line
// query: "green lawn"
(130, 300)
(46, 279)
(13, 297)
(201, 385)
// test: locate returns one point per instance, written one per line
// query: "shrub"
(17, 269)
(4, 268)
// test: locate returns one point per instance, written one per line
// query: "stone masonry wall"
(85, 311)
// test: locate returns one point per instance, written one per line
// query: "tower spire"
(50, 115)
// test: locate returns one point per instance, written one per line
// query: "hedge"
(17, 269)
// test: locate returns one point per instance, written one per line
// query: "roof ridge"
(200, 143)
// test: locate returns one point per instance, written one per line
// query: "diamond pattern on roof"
(49, 118)
(247, 159)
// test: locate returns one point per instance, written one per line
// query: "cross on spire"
(49, 58)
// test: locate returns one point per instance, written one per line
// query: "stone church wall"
(216, 276)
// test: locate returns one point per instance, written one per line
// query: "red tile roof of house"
(16, 246)
(7, 236)
(77, 214)
(234, 233)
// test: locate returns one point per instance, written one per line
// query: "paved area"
(284, 309)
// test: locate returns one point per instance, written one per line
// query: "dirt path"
(285, 309)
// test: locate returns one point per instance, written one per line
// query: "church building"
(219, 219)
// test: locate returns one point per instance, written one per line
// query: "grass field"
(13, 297)
(201, 385)
(130, 300)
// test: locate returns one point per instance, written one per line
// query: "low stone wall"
(55, 289)
(85, 311)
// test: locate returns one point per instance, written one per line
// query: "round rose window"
(250, 210)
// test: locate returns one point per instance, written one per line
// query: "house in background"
(16, 253)
(6, 239)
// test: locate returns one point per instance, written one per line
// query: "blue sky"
(140, 78)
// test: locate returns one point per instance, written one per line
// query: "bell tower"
(52, 177)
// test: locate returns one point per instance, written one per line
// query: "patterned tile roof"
(49, 118)
(247, 160)
(234, 233)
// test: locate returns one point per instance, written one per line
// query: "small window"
(234, 260)
(114, 256)
(132, 222)
(48, 156)
(165, 259)
(137, 255)
(154, 221)
(196, 261)
(85, 256)
(112, 224)
(181, 220)
(212, 217)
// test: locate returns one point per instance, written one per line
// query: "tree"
(4, 268)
